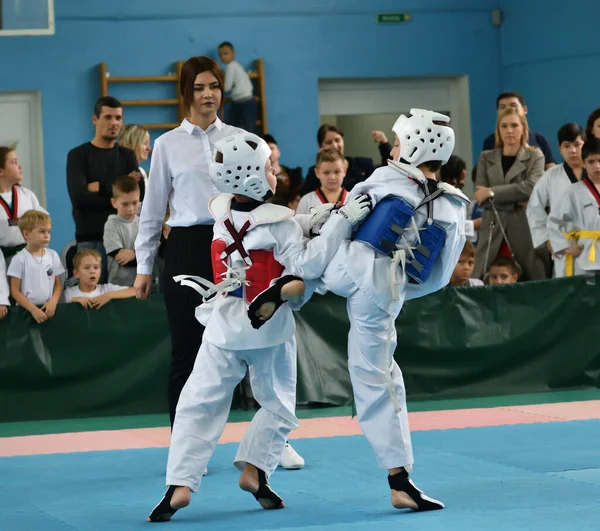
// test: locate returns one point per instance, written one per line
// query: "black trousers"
(187, 253)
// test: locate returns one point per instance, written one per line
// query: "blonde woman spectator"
(505, 179)
(137, 138)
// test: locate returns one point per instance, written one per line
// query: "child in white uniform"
(574, 227)
(330, 170)
(87, 267)
(15, 200)
(416, 231)
(255, 244)
(552, 187)
(35, 271)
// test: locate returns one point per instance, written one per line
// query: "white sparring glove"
(356, 209)
(318, 216)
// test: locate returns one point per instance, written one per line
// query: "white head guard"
(421, 140)
(243, 168)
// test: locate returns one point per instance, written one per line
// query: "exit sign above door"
(392, 18)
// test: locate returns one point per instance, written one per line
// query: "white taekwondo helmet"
(242, 170)
(421, 140)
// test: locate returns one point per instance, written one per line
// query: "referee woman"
(179, 178)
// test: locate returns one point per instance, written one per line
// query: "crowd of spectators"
(513, 228)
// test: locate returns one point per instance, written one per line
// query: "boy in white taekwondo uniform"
(552, 187)
(255, 245)
(15, 200)
(407, 248)
(574, 227)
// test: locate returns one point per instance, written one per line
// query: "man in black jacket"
(92, 168)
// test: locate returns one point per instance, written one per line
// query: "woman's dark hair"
(452, 170)
(324, 129)
(590, 123)
(190, 69)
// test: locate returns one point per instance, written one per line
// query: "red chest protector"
(262, 266)
(263, 270)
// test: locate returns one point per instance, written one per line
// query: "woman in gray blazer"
(506, 176)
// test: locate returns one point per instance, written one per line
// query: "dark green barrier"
(527, 337)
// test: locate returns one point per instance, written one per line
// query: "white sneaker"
(205, 471)
(290, 459)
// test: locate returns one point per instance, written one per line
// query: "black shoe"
(265, 495)
(402, 483)
(163, 511)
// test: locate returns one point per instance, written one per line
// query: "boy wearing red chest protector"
(255, 245)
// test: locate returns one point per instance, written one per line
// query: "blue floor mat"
(525, 477)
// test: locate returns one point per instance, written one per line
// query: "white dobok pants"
(377, 380)
(205, 403)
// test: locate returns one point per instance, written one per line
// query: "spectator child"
(121, 230)
(358, 169)
(464, 268)
(330, 170)
(4, 290)
(574, 228)
(242, 111)
(503, 270)
(35, 271)
(551, 188)
(87, 266)
(15, 200)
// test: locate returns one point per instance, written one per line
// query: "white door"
(369, 101)
(21, 124)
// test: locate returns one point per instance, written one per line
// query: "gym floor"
(499, 463)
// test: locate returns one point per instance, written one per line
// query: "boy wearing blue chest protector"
(407, 248)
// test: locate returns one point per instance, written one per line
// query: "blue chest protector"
(386, 228)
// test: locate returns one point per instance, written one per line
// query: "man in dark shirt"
(92, 168)
(517, 101)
